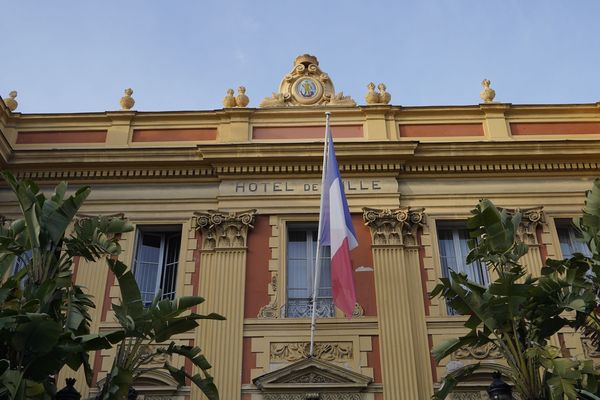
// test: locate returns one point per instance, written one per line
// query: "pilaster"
(375, 122)
(119, 131)
(405, 352)
(495, 124)
(222, 278)
(235, 125)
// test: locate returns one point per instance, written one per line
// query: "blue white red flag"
(338, 233)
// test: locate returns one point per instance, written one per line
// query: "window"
(155, 262)
(452, 238)
(570, 239)
(301, 255)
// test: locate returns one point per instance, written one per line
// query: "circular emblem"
(307, 90)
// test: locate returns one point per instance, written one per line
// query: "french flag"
(336, 231)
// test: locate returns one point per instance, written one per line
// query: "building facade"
(225, 205)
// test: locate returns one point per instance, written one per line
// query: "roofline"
(312, 109)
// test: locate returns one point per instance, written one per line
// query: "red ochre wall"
(362, 256)
(248, 360)
(257, 267)
(374, 360)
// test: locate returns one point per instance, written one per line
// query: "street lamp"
(68, 392)
(499, 390)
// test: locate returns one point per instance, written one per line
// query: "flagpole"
(313, 322)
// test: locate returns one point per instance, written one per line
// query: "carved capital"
(221, 230)
(530, 220)
(394, 227)
(589, 350)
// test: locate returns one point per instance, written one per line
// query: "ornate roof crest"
(306, 85)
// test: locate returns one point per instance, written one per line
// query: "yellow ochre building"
(225, 205)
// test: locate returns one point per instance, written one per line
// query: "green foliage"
(519, 313)
(44, 318)
(156, 324)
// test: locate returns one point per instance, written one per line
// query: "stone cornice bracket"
(224, 230)
(531, 218)
(394, 227)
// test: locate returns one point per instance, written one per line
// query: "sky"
(79, 56)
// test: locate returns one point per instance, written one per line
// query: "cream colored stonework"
(173, 181)
(306, 85)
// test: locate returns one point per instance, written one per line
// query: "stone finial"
(241, 100)
(372, 97)
(127, 101)
(487, 94)
(384, 97)
(381, 97)
(10, 101)
(229, 100)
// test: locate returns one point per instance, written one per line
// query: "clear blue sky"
(71, 56)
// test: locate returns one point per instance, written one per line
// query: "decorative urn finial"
(487, 94)
(371, 97)
(229, 100)
(10, 101)
(241, 100)
(127, 101)
(384, 97)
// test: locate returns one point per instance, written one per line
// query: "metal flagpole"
(313, 322)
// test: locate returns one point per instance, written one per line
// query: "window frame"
(568, 225)
(454, 225)
(166, 232)
(289, 225)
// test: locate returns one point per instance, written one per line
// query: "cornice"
(436, 112)
(299, 324)
(6, 149)
(5, 113)
(509, 150)
(220, 161)
(311, 151)
(100, 156)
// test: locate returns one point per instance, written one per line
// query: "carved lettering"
(300, 186)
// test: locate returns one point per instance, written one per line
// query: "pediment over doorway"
(313, 378)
